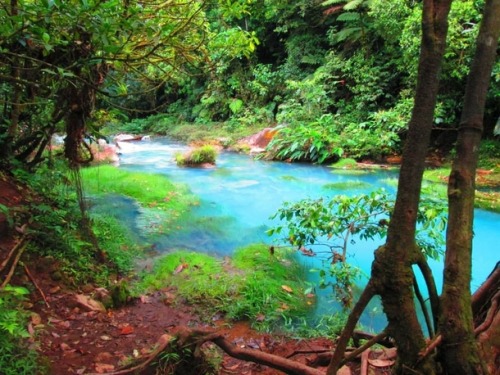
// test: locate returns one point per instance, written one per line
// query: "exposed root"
(26, 269)
(9, 265)
(162, 344)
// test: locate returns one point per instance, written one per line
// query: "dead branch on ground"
(32, 278)
(9, 265)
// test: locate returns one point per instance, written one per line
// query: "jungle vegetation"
(358, 78)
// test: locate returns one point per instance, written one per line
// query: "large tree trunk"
(392, 268)
(392, 275)
(460, 354)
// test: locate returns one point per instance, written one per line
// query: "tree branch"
(338, 354)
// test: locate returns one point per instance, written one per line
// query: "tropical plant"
(15, 357)
(340, 221)
(316, 141)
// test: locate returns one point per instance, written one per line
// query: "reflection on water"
(240, 194)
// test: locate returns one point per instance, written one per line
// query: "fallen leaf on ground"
(381, 362)
(287, 289)
(31, 330)
(102, 368)
(54, 289)
(127, 330)
(232, 368)
(181, 267)
(35, 318)
(65, 346)
(260, 318)
(103, 357)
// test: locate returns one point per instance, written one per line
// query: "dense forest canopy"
(339, 75)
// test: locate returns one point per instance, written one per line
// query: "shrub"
(316, 141)
(15, 357)
(200, 155)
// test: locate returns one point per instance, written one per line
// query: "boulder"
(258, 142)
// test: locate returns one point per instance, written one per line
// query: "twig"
(375, 339)
(162, 343)
(310, 351)
(36, 285)
(421, 300)
(433, 345)
(11, 253)
(14, 263)
(338, 354)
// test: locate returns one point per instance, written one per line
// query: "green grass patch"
(266, 290)
(149, 190)
(345, 163)
(117, 242)
(199, 155)
(437, 175)
(346, 185)
(289, 178)
(435, 184)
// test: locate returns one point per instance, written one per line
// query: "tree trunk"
(460, 353)
(391, 270)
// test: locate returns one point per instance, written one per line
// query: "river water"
(240, 194)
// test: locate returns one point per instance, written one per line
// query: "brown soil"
(76, 341)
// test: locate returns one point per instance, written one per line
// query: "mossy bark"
(459, 351)
(392, 272)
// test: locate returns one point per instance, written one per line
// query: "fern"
(332, 2)
(236, 105)
(349, 17)
(353, 4)
(352, 33)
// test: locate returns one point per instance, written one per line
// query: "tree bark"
(391, 270)
(460, 353)
(338, 355)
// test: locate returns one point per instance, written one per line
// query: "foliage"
(345, 163)
(489, 153)
(251, 287)
(197, 156)
(340, 221)
(55, 232)
(314, 142)
(57, 57)
(148, 189)
(15, 357)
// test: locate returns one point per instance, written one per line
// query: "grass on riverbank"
(149, 190)
(487, 186)
(254, 285)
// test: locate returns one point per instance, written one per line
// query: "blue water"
(240, 194)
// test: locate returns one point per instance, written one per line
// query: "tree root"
(10, 263)
(195, 338)
(485, 304)
(489, 315)
(163, 343)
(26, 269)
